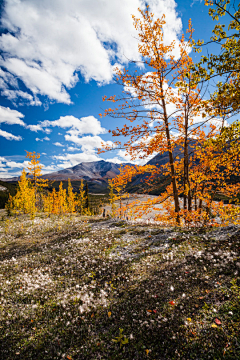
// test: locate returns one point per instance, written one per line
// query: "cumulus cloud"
(11, 117)
(9, 136)
(7, 79)
(13, 95)
(49, 42)
(88, 143)
(84, 125)
(123, 154)
(115, 160)
(50, 168)
(73, 148)
(8, 167)
(2, 160)
(69, 160)
(45, 138)
(58, 144)
(14, 164)
(37, 128)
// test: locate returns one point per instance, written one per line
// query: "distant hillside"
(138, 183)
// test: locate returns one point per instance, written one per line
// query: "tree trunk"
(171, 161)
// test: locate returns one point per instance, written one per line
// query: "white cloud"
(115, 160)
(9, 136)
(50, 168)
(58, 144)
(7, 175)
(15, 94)
(45, 138)
(14, 164)
(7, 79)
(72, 148)
(37, 79)
(37, 128)
(88, 143)
(69, 160)
(11, 117)
(84, 125)
(127, 158)
(50, 41)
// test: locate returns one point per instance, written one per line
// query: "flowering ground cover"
(84, 288)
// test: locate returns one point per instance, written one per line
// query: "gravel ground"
(82, 288)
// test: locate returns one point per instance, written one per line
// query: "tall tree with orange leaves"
(172, 115)
(165, 101)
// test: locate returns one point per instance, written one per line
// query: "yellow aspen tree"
(35, 170)
(54, 200)
(48, 203)
(24, 200)
(62, 199)
(71, 202)
(81, 199)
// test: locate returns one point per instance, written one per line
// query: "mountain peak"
(94, 170)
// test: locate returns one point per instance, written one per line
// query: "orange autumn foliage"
(172, 115)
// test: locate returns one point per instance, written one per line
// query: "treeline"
(32, 195)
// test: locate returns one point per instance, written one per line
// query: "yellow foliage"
(24, 200)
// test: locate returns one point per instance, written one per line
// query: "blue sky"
(56, 64)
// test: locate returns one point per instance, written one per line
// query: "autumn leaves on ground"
(77, 285)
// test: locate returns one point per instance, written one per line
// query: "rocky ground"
(93, 288)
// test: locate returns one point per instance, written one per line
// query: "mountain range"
(97, 173)
(94, 171)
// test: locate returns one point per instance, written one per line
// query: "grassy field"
(84, 288)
